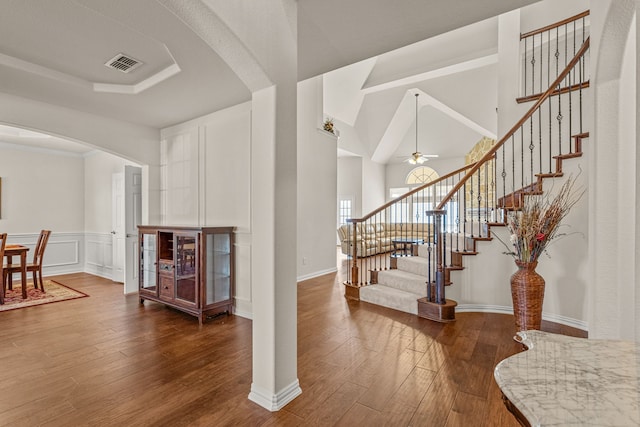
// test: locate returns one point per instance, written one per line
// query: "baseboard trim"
(275, 402)
(555, 318)
(316, 274)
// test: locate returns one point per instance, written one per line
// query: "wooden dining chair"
(3, 242)
(35, 267)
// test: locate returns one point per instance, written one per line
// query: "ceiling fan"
(417, 158)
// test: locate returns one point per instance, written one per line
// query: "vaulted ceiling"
(55, 52)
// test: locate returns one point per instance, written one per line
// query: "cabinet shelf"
(195, 268)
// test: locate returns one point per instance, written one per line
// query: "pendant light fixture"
(417, 158)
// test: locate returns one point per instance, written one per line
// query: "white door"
(127, 214)
(118, 231)
(133, 218)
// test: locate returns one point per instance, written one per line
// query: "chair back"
(38, 253)
(3, 243)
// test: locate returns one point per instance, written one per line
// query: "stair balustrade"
(546, 51)
(451, 214)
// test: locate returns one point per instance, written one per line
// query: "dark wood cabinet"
(188, 268)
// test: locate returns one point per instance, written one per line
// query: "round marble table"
(567, 381)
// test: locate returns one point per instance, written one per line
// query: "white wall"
(41, 190)
(373, 185)
(206, 181)
(44, 189)
(317, 185)
(99, 168)
(350, 183)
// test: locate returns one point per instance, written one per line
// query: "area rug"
(55, 292)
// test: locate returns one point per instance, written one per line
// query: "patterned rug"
(55, 292)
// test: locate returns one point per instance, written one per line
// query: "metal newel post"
(438, 214)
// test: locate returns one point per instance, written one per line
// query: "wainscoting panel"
(64, 252)
(99, 254)
(243, 298)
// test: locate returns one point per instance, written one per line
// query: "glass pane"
(186, 289)
(148, 261)
(218, 281)
(186, 250)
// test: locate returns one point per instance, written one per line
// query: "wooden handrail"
(415, 190)
(552, 26)
(489, 154)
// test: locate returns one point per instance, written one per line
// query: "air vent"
(122, 62)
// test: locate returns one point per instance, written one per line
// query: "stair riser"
(378, 295)
(394, 280)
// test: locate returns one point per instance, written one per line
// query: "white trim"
(57, 242)
(31, 148)
(243, 308)
(316, 274)
(555, 318)
(275, 402)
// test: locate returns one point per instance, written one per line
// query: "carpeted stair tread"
(390, 298)
(414, 264)
(404, 281)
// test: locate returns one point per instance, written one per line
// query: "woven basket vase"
(527, 293)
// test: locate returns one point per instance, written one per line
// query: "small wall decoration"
(328, 125)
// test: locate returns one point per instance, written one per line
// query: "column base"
(443, 313)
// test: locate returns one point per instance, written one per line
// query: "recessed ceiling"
(54, 52)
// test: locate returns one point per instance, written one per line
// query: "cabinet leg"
(141, 301)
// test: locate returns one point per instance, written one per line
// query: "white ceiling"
(455, 76)
(54, 51)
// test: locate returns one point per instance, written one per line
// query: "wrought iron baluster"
(513, 164)
(525, 66)
(533, 64)
(430, 259)
(559, 117)
(581, 68)
(557, 54)
(522, 156)
(531, 148)
(541, 61)
(479, 204)
(471, 200)
(540, 140)
(464, 214)
(570, 112)
(504, 180)
(494, 189)
(548, 57)
(443, 234)
(486, 193)
(548, 102)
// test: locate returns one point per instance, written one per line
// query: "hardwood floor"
(106, 360)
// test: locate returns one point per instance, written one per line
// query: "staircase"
(402, 285)
(469, 202)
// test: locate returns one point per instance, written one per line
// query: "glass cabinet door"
(148, 262)
(218, 268)
(186, 260)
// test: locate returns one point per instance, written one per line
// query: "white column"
(613, 174)
(273, 253)
(273, 209)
